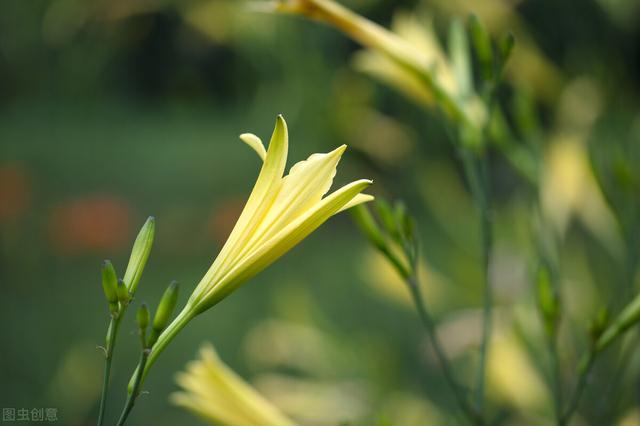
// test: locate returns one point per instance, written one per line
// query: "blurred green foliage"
(113, 111)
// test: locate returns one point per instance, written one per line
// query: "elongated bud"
(482, 46)
(143, 317)
(548, 300)
(368, 226)
(166, 306)
(163, 313)
(140, 254)
(388, 218)
(404, 221)
(123, 294)
(109, 282)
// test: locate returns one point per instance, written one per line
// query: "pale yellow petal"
(267, 252)
(217, 393)
(305, 185)
(254, 142)
(358, 199)
(265, 190)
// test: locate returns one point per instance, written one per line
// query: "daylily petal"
(305, 185)
(358, 199)
(265, 190)
(254, 142)
(215, 391)
(284, 240)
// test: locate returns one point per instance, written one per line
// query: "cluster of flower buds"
(119, 292)
(491, 60)
(393, 234)
(161, 319)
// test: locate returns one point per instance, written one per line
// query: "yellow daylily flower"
(409, 58)
(280, 212)
(215, 392)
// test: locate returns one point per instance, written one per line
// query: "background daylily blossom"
(217, 393)
(280, 212)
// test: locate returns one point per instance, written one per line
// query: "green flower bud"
(482, 46)
(163, 313)
(368, 226)
(109, 282)
(143, 317)
(548, 300)
(166, 306)
(123, 294)
(140, 254)
(387, 217)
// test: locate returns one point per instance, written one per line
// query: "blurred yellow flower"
(421, 36)
(215, 392)
(409, 59)
(280, 212)
(569, 188)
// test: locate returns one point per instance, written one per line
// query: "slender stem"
(112, 332)
(133, 395)
(584, 371)
(476, 171)
(165, 338)
(543, 244)
(552, 344)
(430, 327)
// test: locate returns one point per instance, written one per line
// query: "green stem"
(112, 332)
(475, 166)
(556, 377)
(430, 327)
(165, 338)
(133, 395)
(584, 370)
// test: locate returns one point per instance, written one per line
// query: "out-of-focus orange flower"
(15, 191)
(224, 218)
(97, 223)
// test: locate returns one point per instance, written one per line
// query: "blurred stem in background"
(448, 82)
(603, 335)
(476, 172)
(397, 241)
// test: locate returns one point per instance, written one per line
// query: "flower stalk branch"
(427, 321)
(112, 331)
